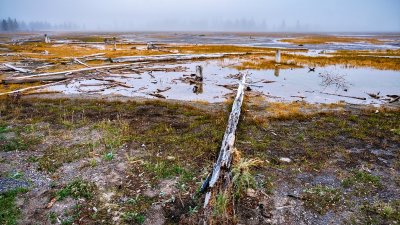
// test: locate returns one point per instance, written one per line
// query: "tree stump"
(151, 46)
(115, 43)
(199, 73)
(278, 56)
(46, 38)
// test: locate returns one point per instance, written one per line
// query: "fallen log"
(171, 57)
(92, 55)
(31, 88)
(222, 166)
(118, 83)
(34, 79)
(16, 68)
(43, 76)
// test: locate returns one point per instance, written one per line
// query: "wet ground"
(71, 158)
(324, 85)
(260, 39)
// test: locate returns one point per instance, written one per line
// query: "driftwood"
(163, 90)
(44, 76)
(90, 56)
(346, 96)
(157, 95)
(31, 88)
(222, 166)
(18, 80)
(80, 62)
(118, 83)
(171, 57)
(16, 68)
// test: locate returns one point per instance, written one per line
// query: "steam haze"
(211, 15)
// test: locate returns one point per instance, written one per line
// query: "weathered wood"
(43, 76)
(199, 73)
(115, 43)
(46, 38)
(80, 62)
(278, 56)
(151, 46)
(224, 160)
(34, 79)
(16, 68)
(171, 57)
(346, 96)
(31, 88)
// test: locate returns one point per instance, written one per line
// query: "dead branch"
(163, 90)
(157, 95)
(80, 62)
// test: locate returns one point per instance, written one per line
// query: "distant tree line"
(12, 25)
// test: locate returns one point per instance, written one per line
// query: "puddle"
(320, 86)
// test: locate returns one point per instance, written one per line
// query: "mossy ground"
(352, 153)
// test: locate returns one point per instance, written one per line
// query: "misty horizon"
(224, 15)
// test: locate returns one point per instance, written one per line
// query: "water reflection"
(279, 84)
(331, 79)
(276, 71)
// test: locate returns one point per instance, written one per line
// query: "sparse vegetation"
(316, 40)
(9, 212)
(76, 189)
(133, 217)
(242, 177)
(221, 204)
(322, 199)
(166, 140)
(380, 213)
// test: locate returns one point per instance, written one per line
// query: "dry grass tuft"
(317, 40)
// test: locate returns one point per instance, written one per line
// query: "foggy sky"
(212, 15)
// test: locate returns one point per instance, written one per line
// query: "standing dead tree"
(219, 181)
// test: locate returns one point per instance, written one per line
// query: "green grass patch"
(361, 177)
(380, 213)
(9, 212)
(76, 189)
(133, 217)
(163, 170)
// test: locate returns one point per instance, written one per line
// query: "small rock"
(251, 193)
(286, 160)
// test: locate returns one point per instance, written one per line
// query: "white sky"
(313, 15)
